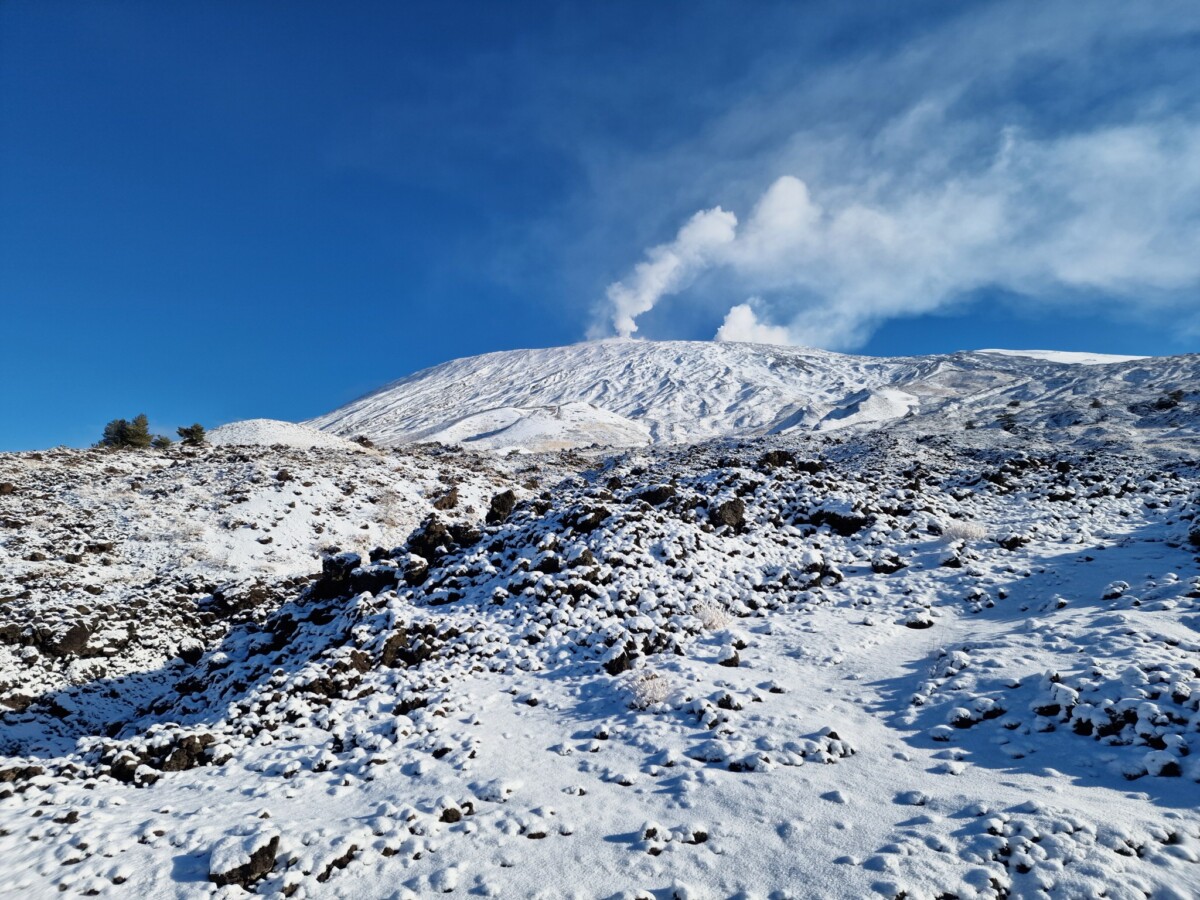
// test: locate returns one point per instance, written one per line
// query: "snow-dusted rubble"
(117, 562)
(904, 659)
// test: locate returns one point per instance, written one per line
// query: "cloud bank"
(1046, 151)
(1111, 213)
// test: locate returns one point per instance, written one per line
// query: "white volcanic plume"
(669, 267)
(1108, 218)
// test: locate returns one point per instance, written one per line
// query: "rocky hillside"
(119, 562)
(909, 661)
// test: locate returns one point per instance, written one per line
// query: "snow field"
(829, 666)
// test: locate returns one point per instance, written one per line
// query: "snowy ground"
(635, 686)
(904, 659)
(115, 562)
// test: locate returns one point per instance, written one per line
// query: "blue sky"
(213, 211)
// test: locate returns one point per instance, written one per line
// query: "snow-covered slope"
(837, 665)
(93, 537)
(543, 428)
(926, 628)
(619, 391)
(275, 433)
(1068, 356)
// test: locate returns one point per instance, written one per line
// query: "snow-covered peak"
(273, 432)
(628, 392)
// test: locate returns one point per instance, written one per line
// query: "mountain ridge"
(681, 392)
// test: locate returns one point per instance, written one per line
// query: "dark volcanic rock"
(187, 753)
(14, 774)
(774, 458)
(372, 579)
(465, 535)
(845, 524)
(656, 496)
(1013, 542)
(589, 520)
(191, 653)
(618, 664)
(72, 641)
(435, 539)
(501, 507)
(731, 513)
(448, 500)
(432, 540)
(887, 562)
(335, 576)
(416, 570)
(261, 862)
(395, 648)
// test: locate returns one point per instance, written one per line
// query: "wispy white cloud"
(876, 211)
(1112, 212)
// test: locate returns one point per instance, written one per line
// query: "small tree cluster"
(122, 434)
(191, 435)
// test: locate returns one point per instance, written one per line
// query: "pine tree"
(161, 442)
(139, 432)
(121, 433)
(114, 433)
(191, 435)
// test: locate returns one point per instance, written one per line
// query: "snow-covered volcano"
(875, 653)
(628, 393)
